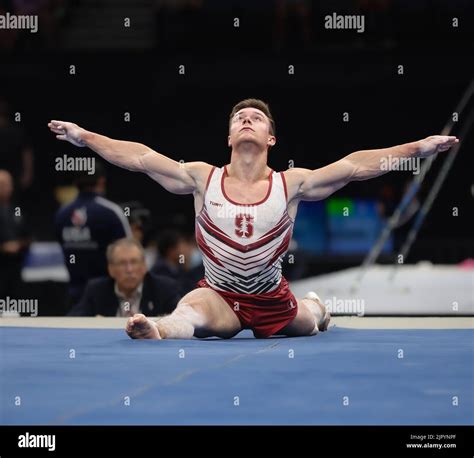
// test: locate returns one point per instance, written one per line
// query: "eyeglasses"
(135, 262)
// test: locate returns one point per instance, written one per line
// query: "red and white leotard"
(243, 247)
(243, 244)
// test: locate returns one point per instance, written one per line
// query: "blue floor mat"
(341, 377)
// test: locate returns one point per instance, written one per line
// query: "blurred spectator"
(173, 251)
(85, 228)
(14, 240)
(142, 229)
(140, 221)
(179, 258)
(130, 288)
(16, 153)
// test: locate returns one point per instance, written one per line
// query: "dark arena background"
(392, 258)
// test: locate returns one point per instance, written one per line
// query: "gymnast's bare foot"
(324, 323)
(141, 327)
(324, 315)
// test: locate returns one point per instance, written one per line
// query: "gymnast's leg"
(311, 318)
(200, 313)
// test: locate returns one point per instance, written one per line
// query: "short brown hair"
(259, 105)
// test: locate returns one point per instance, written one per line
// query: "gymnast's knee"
(188, 312)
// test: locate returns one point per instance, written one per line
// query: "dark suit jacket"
(160, 295)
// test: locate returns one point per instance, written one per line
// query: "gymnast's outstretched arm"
(174, 176)
(305, 184)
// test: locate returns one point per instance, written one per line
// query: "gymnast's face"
(250, 125)
(127, 267)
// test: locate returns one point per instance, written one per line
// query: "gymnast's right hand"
(69, 132)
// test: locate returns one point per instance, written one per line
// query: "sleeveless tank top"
(243, 244)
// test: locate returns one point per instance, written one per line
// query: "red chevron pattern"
(242, 253)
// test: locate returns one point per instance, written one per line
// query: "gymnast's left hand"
(435, 144)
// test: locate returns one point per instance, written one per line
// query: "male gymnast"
(245, 213)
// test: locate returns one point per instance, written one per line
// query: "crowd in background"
(87, 225)
(117, 265)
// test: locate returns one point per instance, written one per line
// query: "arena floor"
(363, 371)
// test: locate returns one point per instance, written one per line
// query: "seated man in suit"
(130, 288)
